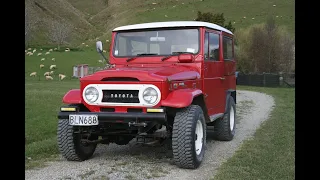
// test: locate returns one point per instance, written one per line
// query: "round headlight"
(150, 95)
(91, 94)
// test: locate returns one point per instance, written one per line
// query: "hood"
(162, 73)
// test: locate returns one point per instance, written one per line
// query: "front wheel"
(189, 137)
(70, 145)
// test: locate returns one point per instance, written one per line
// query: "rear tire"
(70, 145)
(224, 128)
(189, 137)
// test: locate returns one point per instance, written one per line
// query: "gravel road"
(134, 161)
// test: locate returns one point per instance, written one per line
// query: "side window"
(227, 48)
(214, 46)
(206, 46)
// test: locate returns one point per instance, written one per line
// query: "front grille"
(121, 96)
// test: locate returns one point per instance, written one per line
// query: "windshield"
(156, 42)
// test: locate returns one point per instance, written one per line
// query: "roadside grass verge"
(42, 102)
(270, 154)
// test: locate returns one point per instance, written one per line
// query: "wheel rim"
(231, 118)
(199, 137)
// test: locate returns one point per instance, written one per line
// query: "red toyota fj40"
(169, 81)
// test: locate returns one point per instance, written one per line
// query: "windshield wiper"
(174, 54)
(142, 54)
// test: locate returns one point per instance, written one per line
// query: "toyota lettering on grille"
(121, 95)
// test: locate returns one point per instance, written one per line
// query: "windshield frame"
(156, 29)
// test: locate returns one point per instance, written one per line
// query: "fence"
(266, 80)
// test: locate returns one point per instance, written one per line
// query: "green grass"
(271, 153)
(98, 18)
(64, 61)
(43, 99)
(234, 10)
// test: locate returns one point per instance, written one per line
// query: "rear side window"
(227, 48)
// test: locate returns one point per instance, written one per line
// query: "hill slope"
(93, 19)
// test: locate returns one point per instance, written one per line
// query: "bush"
(264, 48)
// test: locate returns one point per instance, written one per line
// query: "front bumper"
(119, 117)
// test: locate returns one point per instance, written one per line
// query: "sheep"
(55, 49)
(104, 51)
(29, 49)
(51, 72)
(107, 40)
(67, 49)
(46, 74)
(40, 49)
(49, 77)
(33, 74)
(25, 51)
(100, 61)
(41, 66)
(50, 50)
(42, 59)
(39, 54)
(47, 53)
(34, 50)
(83, 43)
(30, 54)
(53, 59)
(53, 66)
(87, 45)
(62, 76)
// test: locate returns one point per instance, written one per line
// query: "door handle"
(222, 78)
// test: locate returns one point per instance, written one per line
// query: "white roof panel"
(173, 24)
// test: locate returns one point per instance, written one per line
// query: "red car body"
(210, 79)
(184, 91)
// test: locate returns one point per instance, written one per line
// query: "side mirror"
(186, 58)
(99, 46)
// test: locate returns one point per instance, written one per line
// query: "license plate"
(83, 120)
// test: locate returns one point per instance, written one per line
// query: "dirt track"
(135, 161)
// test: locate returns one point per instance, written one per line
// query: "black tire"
(184, 137)
(222, 130)
(70, 145)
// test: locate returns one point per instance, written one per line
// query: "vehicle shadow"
(140, 151)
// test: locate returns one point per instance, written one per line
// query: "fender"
(72, 97)
(181, 98)
(232, 93)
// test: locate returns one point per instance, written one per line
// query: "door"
(229, 63)
(213, 73)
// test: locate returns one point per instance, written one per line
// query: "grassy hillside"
(96, 19)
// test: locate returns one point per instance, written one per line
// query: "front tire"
(189, 137)
(70, 145)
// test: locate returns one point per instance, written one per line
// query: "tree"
(217, 18)
(59, 32)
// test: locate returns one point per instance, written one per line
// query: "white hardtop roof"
(173, 24)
